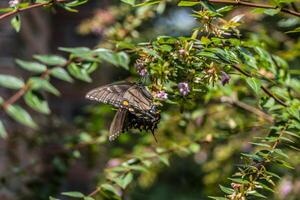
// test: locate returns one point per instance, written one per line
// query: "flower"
(225, 78)
(162, 95)
(13, 3)
(184, 88)
(140, 67)
(285, 187)
(181, 51)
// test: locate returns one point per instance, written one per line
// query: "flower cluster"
(184, 88)
(162, 95)
(13, 3)
(141, 68)
(225, 78)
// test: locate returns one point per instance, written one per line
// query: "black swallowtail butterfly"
(136, 107)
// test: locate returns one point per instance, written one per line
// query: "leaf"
(31, 66)
(19, 114)
(79, 73)
(296, 30)
(124, 181)
(254, 83)
(16, 22)
(36, 103)
(255, 193)
(52, 198)
(73, 194)
(51, 59)
(109, 188)
(61, 74)
(88, 198)
(123, 60)
(38, 83)
(217, 198)
(188, 3)
(164, 159)
(11, 82)
(130, 2)
(3, 133)
(272, 12)
(226, 190)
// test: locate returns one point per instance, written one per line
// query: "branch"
(25, 88)
(264, 89)
(256, 5)
(247, 107)
(19, 10)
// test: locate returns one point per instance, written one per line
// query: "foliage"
(223, 91)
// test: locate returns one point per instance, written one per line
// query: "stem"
(264, 89)
(19, 10)
(25, 88)
(249, 108)
(256, 5)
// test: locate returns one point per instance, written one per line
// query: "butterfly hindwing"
(117, 125)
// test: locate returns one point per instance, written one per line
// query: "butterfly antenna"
(154, 136)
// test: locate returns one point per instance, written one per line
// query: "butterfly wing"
(139, 99)
(110, 94)
(117, 125)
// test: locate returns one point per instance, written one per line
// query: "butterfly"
(135, 107)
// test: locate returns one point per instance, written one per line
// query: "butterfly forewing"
(117, 125)
(111, 94)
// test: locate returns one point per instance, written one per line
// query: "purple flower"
(225, 78)
(184, 88)
(162, 95)
(13, 3)
(285, 188)
(140, 67)
(181, 51)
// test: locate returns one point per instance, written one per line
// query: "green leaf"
(31, 66)
(73, 194)
(226, 190)
(272, 12)
(109, 188)
(16, 22)
(61, 74)
(51, 59)
(130, 2)
(254, 83)
(38, 83)
(76, 3)
(79, 73)
(11, 82)
(218, 198)
(88, 198)
(52, 198)
(188, 3)
(123, 60)
(19, 114)
(36, 103)
(296, 30)
(3, 132)
(164, 159)
(124, 181)
(255, 193)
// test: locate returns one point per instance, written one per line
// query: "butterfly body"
(135, 107)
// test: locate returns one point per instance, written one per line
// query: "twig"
(26, 87)
(249, 108)
(256, 5)
(19, 10)
(94, 192)
(264, 89)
